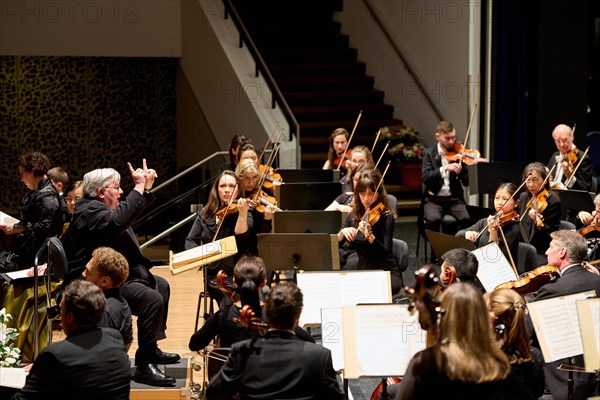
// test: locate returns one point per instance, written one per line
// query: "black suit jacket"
(432, 177)
(88, 364)
(277, 366)
(95, 224)
(583, 175)
(576, 279)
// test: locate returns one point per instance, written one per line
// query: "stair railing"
(261, 68)
(404, 60)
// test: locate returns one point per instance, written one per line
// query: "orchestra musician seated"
(574, 169)
(278, 365)
(338, 141)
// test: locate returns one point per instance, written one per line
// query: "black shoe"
(151, 375)
(157, 356)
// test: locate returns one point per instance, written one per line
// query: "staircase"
(317, 72)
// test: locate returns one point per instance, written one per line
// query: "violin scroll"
(228, 288)
(248, 319)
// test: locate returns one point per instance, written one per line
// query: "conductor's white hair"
(99, 178)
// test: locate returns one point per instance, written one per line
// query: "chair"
(447, 220)
(526, 257)
(566, 225)
(400, 252)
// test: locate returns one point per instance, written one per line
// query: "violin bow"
(468, 131)
(268, 141)
(271, 158)
(577, 166)
(539, 190)
(226, 210)
(263, 177)
(349, 140)
(382, 153)
(497, 215)
(375, 142)
(512, 262)
(376, 190)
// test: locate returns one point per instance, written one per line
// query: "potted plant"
(10, 356)
(405, 151)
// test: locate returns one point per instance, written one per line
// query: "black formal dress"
(540, 237)
(88, 364)
(436, 204)
(277, 366)
(574, 279)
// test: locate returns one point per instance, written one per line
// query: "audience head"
(81, 306)
(74, 191)
(507, 311)
(283, 306)
(59, 178)
(103, 184)
(464, 262)
(107, 269)
(566, 248)
(33, 168)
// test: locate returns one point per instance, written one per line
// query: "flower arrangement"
(405, 144)
(10, 356)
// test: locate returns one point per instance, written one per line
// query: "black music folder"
(573, 201)
(477, 212)
(442, 242)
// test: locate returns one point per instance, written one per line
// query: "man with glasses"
(101, 220)
(566, 159)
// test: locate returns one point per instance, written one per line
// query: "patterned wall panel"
(86, 113)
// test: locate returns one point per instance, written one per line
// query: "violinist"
(566, 159)
(369, 229)
(338, 141)
(236, 142)
(344, 201)
(506, 218)
(359, 155)
(464, 362)
(460, 265)
(237, 222)
(248, 175)
(278, 365)
(539, 209)
(566, 251)
(591, 229)
(508, 314)
(593, 218)
(443, 182)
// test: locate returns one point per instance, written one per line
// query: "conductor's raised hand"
(151, 175)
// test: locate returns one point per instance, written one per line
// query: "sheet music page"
(197, 253)
(18, 274)
(380, 340)
(12, 377)
(336, 289)
(589, 320)
(494, 268)
(6, 219)
(332, 335)
(556, 324)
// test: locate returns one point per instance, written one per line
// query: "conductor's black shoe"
(151, 375)
(157, 356)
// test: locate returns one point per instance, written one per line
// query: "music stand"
(57, 265)
(309, 175)
(573, 201)
(307, 195)
(298, 252)
(307, 221)
(442, 242)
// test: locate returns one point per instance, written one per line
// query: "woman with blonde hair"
(465, 361)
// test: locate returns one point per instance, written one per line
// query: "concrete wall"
(128, 28)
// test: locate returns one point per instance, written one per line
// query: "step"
(306, 70)
(326, 84)
(333, 54)
(334, 98)
(318, 113)
(365, 126)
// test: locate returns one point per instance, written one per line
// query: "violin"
(571, 156)
(342, 159)
(227, 209)
(532, 281)
(376, 212)
(390, 380)
(260, 200)
(271, 178)
(458, 153)
(539, 203)
(505, 219)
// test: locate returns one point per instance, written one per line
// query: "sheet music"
(12, 377)
(494, 268)
(556, 323)
(589, 320)
(6, 219)
(196, 253)
(332, 335)
(336, 289)
(18, 274)
(380, 340)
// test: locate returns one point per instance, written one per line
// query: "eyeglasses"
(71, 199)
(113, 187)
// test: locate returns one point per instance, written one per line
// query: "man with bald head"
(566, 159)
